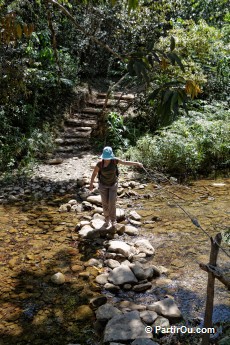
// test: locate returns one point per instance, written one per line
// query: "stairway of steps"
(76, 133)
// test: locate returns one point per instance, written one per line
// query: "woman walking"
(107, 172)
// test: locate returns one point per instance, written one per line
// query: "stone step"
(72, 149)
(89, 110)
(84, 117)
(84, 123)
(73, 135)
(71, 140)
(118, 95)
(110, 103)
(76, 134)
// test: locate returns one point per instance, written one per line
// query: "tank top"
(108, 175)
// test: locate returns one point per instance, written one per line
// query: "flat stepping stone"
(124, 328)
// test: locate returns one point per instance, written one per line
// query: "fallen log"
(217, 272)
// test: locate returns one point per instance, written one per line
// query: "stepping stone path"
(82, 122)
(124, 267)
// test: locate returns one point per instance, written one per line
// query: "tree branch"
(80, 28)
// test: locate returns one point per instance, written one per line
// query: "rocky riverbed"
(65, 279)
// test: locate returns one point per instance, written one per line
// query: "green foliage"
(33, 89)
(196, 144)
(19, 150)
(213, 12)
(116, 130)
(122, 132)
(205, 55)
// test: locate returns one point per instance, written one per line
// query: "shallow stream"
(38, 241)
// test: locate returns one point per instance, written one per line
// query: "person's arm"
(137, 164)
(94, 174)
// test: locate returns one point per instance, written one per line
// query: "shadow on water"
(37, 311)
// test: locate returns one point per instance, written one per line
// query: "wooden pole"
(210, 288)
(217, 272)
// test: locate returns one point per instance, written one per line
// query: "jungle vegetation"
(173, 54)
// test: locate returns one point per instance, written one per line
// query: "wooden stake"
(210, 288)
(217, 272)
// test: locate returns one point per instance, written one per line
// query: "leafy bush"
(195, 144)
(19, 151)
(122, 132)
(116, 131)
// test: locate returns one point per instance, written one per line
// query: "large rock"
(144, 246)
(120, 228)
(94, 199)
(148, 316)
(97, 302)
(84, 312)
(97, 223)
(120, 247)
(106, 312)
(87, 206)
(122, 275)
(124, 328)
(87, 232)
(83, 223)
(120, 214)
(149, 273)
(58, 278)
(128, 306)
(131, 230)
(98, 216)
(167, 307)
(112, 263)
(102, 279)
(138, 271)
(142, 287)
(161, 322)
(94, 262)
(111, 287)
(134, 215)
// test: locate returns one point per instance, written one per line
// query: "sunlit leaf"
(192, 89)
(164, 64)
(30, 29)
(19, 30)
(26, 30)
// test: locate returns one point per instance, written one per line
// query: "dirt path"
(70, 168)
